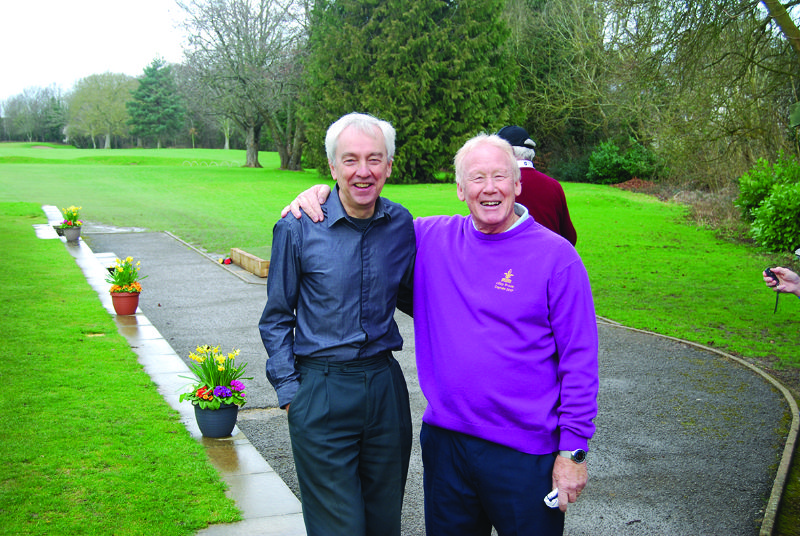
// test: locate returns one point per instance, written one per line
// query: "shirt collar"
(522, 212)
(334, 211)
(525, 163)
(519, 210)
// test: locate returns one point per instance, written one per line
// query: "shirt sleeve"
(279, 317)
(405, 294)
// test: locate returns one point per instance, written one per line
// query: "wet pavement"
(689, 440)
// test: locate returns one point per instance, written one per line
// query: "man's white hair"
(487, 139)
(366, 124)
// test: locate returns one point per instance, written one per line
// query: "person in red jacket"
(543, 196)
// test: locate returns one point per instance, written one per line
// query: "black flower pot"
(216, 422)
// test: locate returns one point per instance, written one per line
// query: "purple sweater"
(505, 334)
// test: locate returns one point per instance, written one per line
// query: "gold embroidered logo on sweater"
(505, 283)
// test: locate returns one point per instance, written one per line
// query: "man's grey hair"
(524, 153)
(487, 139)
(366, 124)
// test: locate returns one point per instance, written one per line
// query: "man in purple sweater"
(506, 347)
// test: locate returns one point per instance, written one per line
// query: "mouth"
(490, 203)
(362, 185)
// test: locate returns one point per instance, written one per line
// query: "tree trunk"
(778, 12)
(288, 142)
(108, 141)
(253, 134)
(296, 162)
(283, 152)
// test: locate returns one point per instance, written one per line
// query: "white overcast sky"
(57, 42)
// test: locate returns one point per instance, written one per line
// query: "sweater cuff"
(570, 441)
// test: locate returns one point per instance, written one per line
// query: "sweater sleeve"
(574, 325)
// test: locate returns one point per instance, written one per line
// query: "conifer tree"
(156, 111)
(436, 69)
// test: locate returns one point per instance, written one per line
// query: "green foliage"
(216, 376)
(36, 114)
(755, 186)
(769, 197)
(155, 111)
(125, 276)
(71, 216)
(437, 70)
(562, 93)
(776, 222)
(574, 170)
(97, 106)
(608, 164)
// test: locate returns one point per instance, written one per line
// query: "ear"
(389, 168)
(460, 192)
(332, 168)
(518, 188)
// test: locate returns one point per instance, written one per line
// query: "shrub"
(606, 164)
(570, 170)
(754, 187)
(776, 225)
(609, 165)
(641, 162)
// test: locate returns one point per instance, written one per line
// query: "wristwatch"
(577, 456)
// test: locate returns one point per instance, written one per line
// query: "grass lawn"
(649, 269)
(89, 446)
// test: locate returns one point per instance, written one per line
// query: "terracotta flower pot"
(125, 303)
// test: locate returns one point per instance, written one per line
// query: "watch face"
(579, 455)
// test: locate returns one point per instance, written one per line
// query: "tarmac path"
(688, 442)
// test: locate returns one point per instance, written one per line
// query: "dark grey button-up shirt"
(333, 287)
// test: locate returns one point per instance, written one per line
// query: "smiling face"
(489, 183)
(361, 167)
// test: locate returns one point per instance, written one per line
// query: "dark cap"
(516, 136)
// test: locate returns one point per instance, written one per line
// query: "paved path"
(687, 439)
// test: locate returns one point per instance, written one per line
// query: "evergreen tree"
(436, 69)
(156, 111)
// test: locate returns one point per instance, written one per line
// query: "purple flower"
(236, 385)
(222, 392)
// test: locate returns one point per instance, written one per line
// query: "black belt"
(375, 362)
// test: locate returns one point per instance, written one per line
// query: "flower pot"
(72, 233)
(125, 303)
(216, 422)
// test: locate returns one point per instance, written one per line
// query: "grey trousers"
(350, 425)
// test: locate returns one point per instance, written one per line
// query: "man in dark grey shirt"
(329, 330)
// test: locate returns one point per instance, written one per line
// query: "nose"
(490, 185)
(363, 169)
